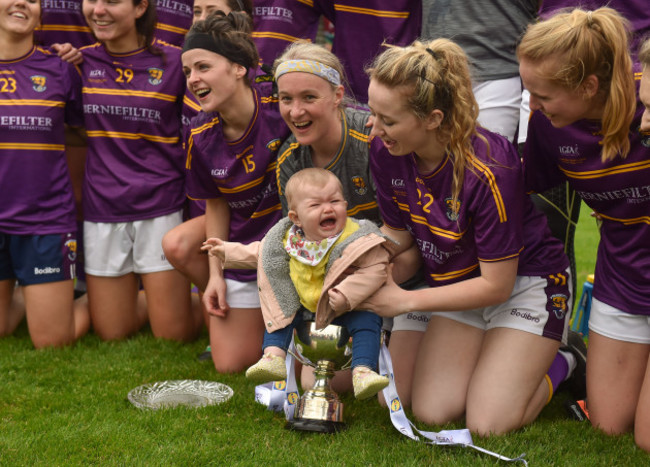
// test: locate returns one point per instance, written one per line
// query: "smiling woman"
(589, 129)
(232, 150)
(41, 113)
(133, 193)
(121, 25)
(327, 131)
(497, 281)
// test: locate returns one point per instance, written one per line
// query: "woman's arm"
(217, 224)
(68, 53)
(492, 287)
(75, 136)
(402, 240)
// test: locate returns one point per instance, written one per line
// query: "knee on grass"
(436, 415)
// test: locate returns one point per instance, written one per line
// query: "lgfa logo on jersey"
(360, 186)
(38, 83)
(274, 144)
(453, 208)
(155, 76)
(569, 150)
(559, 305)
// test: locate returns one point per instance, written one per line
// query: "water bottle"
(580, 319)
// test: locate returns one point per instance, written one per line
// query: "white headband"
(309, 66)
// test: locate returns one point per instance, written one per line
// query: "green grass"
(69, 407)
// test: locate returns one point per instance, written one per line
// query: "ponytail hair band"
(432, 53)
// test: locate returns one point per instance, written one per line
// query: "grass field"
(69, 407)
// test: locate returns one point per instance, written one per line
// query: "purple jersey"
(637, 13)
(174, 20)
(191, 109)
(618, 190)
(361, 26)
(278, 23)
(38, 94)
(494, 219)
(62, 21)
(132, 107)
(241, 171)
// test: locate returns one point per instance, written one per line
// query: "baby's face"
(320, 212)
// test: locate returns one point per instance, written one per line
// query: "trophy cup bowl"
(320, 409)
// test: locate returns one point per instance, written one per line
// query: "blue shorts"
(38, 259)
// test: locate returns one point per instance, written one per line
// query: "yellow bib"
(308, 280)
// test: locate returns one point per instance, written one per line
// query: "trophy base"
(319, 426)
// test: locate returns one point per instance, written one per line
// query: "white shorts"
(617, 324)
(242, 294)
(113, 249)
(414, 321)
(524, 116)
(535, 306)
(499, 102)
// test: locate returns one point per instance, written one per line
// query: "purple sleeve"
(74, 109)
(540, 169)
(387, 207)
(199, 184)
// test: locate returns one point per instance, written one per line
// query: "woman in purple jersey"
(498, 281)
(231, 155)
(585, 128)
(38, 246)
(133, 189)
(182, 243)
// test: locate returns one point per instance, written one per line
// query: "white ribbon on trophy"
(281, 395)
(400, 421)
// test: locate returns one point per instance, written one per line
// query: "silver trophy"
(320, 409)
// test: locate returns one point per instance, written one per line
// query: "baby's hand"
(68, 53)
(215, 247)
(338, 301)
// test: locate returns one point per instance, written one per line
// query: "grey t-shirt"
(487, 30)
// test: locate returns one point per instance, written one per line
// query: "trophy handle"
(298, 356)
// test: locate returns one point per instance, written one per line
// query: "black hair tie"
(432, 53)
